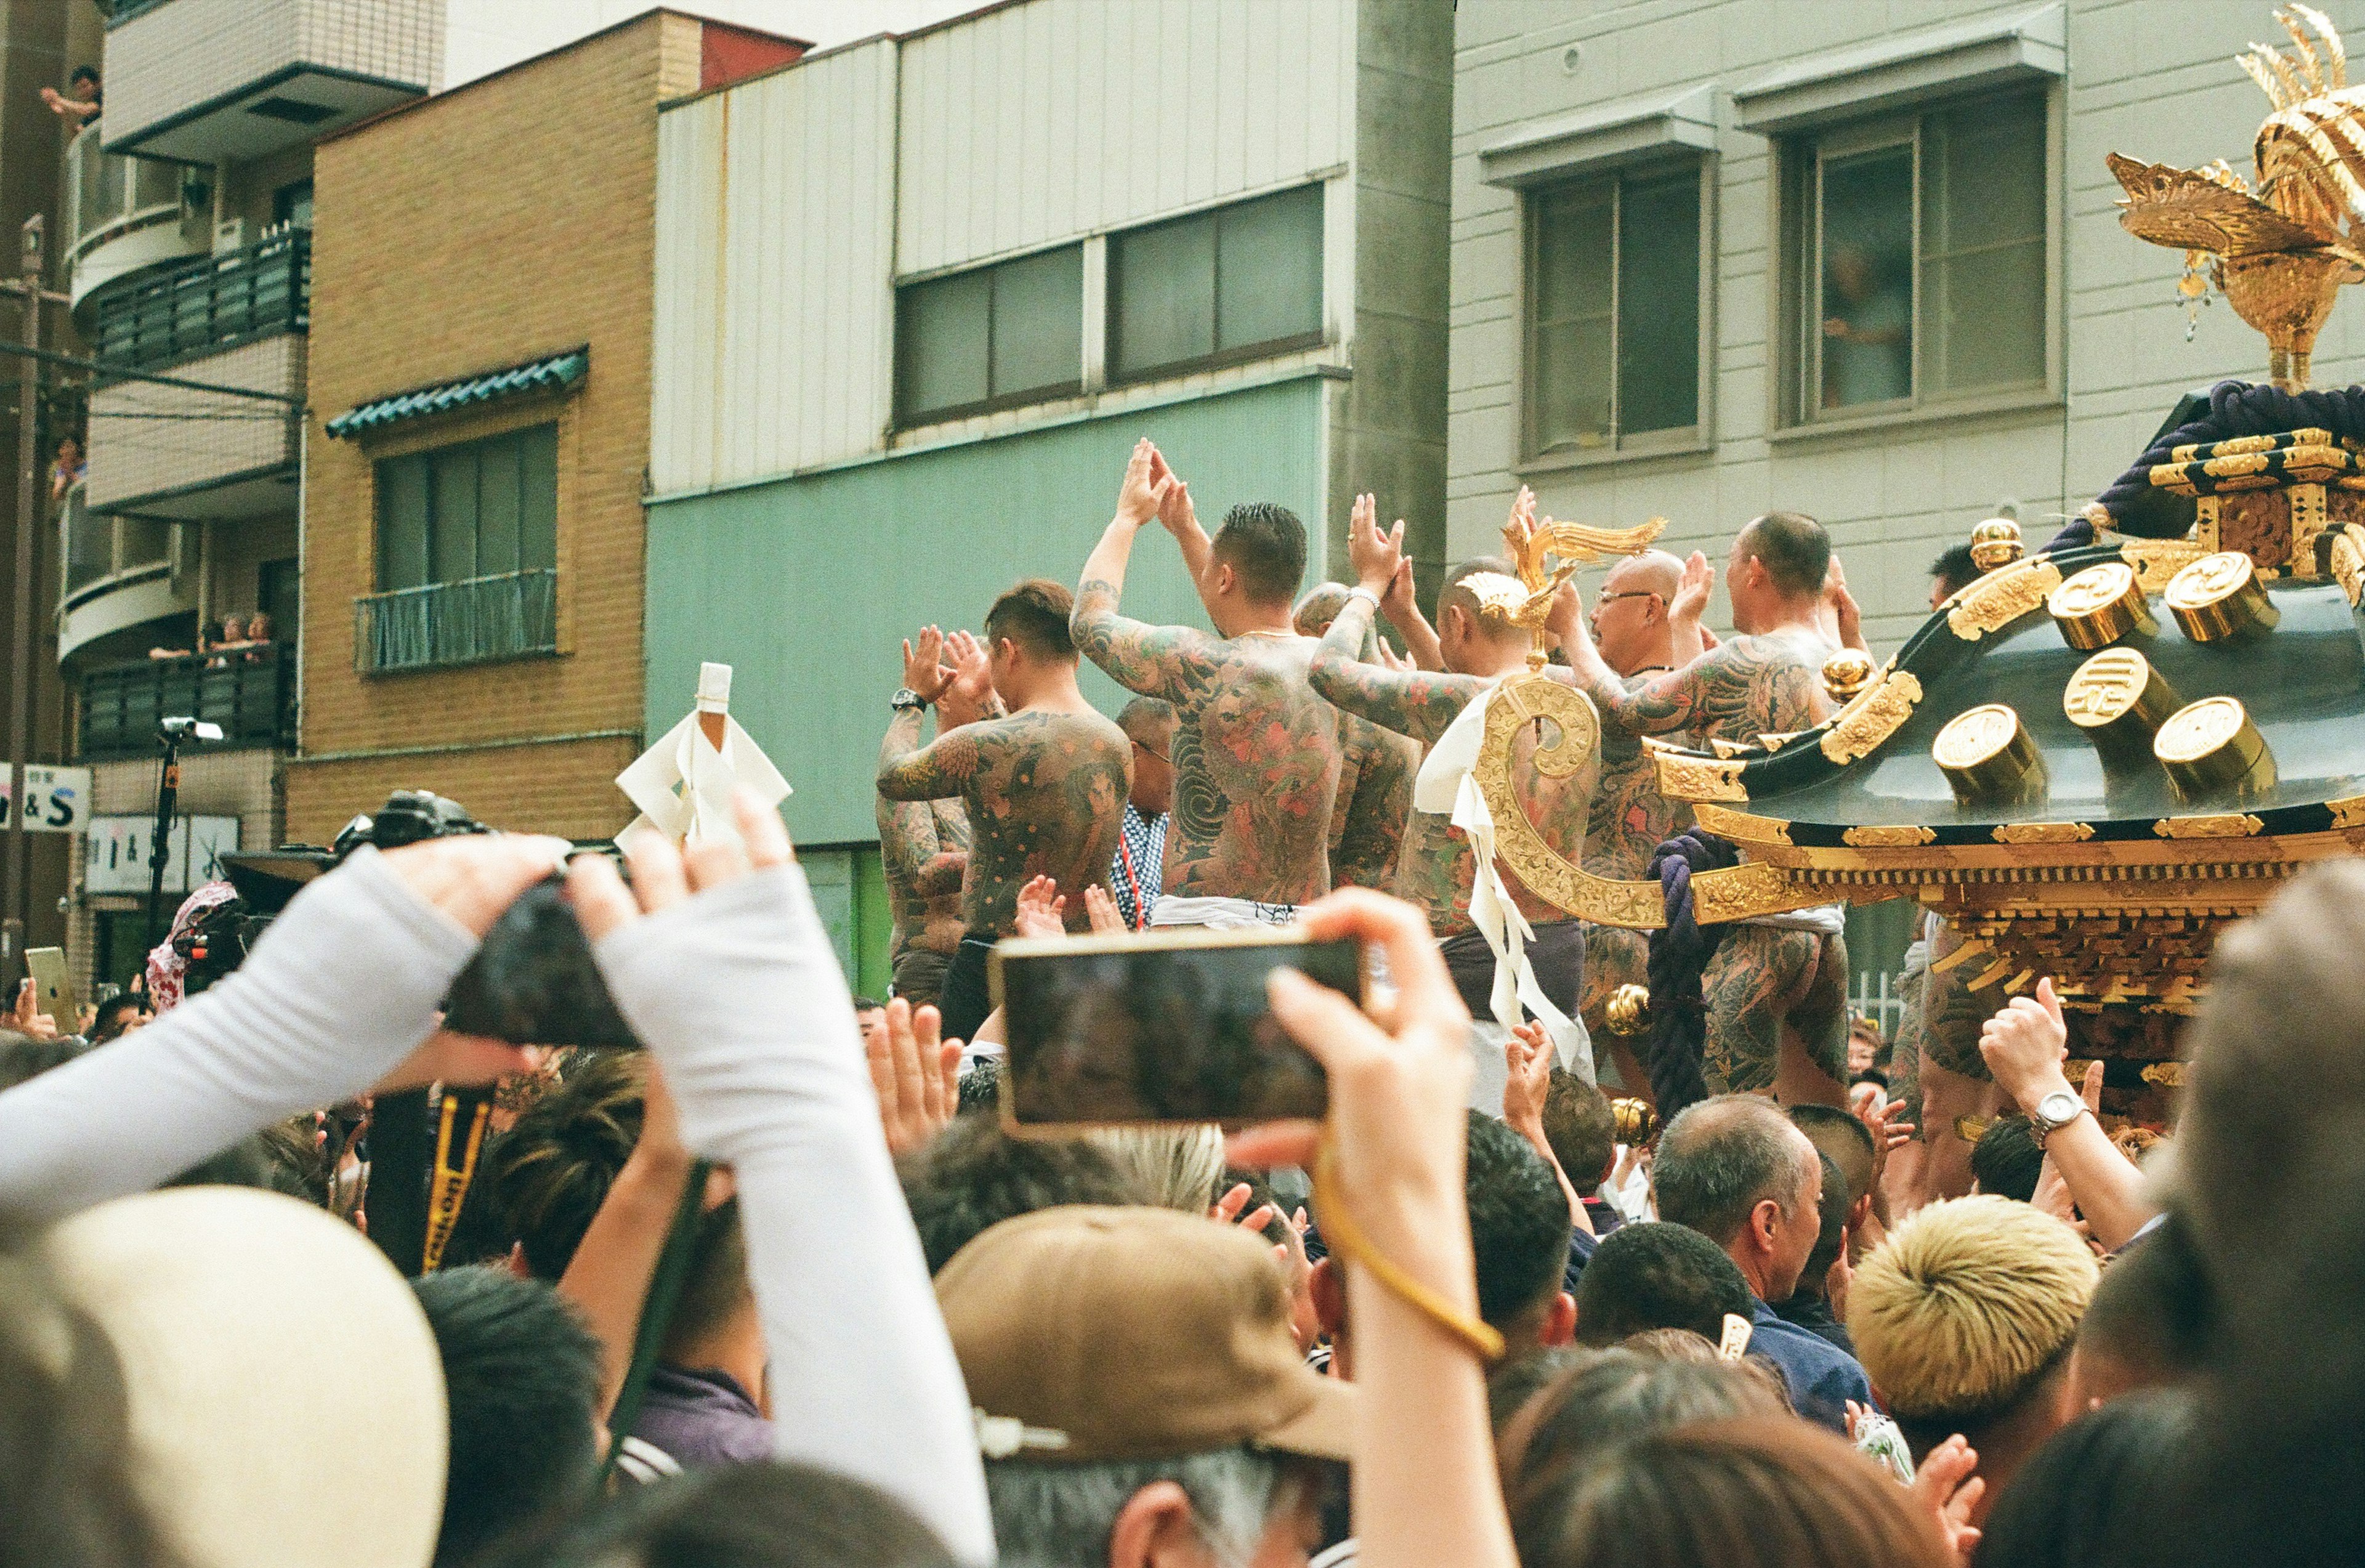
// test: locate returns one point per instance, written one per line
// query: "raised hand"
(1847, 617)
(1528, 1059)
(1397, 600)
(1142, 493)
(924, 670)
(1692, 589)
(28, 1019)
(2025, 1046)
(1228, 1210)
(969, 695)
(1390, 659)
(1565, 619)
(1100, 908)
(1372, 555)
(1946, 1489)
(916, 1075)
(1042, 909)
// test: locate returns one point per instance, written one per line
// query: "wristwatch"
(906, 697)
(2053, 1113)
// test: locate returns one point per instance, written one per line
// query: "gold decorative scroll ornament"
(2279, 247)
(2001, 597)
(1875, 713)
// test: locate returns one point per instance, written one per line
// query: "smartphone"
(1157, 1027)
(52, 992)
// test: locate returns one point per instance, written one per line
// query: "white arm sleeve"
(341, 988)
(739, 993)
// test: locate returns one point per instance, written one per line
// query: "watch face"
(2060, 1108)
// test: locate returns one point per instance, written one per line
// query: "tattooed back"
(1256, 774)
(1631, 817)
(1367, 821)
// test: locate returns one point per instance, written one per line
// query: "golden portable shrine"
(2093, 757)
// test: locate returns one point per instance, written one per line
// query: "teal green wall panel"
(808, 585)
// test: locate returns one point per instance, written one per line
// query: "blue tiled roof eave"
(553, 373)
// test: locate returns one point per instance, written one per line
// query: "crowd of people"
(786, 1288)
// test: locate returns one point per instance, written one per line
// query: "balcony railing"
(110, 194)
(210, 304)
(99, 545)
(477, 621)
(250, 693)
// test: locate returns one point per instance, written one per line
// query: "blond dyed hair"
(1966, 1304)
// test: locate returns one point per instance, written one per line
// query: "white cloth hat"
(285, 1397)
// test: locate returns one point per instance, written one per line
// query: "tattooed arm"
(1736, 690)
(1168, 662)
(914, 855)
(1411, 703)
(1403, 613)
(910, 771)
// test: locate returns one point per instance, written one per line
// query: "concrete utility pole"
(18, 883)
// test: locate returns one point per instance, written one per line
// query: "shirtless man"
(1043, 775)
(1436, 867)
(924, 852)
(1256, 758)
(1375, 771)
(1776, 993)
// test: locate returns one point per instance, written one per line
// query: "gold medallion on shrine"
(2119, 701)
(1987, 755)
(2101, 605)
(2212, 746)
(2219, 597)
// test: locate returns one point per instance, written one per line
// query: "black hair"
(83, 73)
(1581, 1129)
(1518, 1221)
(1954, 569)
(24, 1058)
(1511, 1386)
(980, 1088)
(1830, 1129)
(1719, 1158)
(1144, 710)
(106, 1022)
(1795, 550)
(1034, 614)
(1266, 545)
(867, 1004)
(741, 1515)
(521, 1375)
(2153, 1311)
(2092, 1494)
(1830, 1234)
(2006, 1159)
(1658, 1275)
(973, 1176)
(549, 1174)
(1451, 592)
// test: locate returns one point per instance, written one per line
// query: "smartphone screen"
(1153, 1029)
(52, 992)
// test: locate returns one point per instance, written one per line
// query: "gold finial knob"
(2101, 605)
(1845, 672)
(2120, 701)
(1628, 1011)
(2211, 746)
(1995, 543)
(1634, 1120)
(1987, 755)
(2220, 596)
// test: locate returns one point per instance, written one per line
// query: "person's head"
(1777, 570)
(1852, 273)
(1630, 614)
(118, 1015)
(1734, 1169)
(1614, 1395)
(233, 627)
(1657, 1276)
(1865, 1045)
(1027, 640)
(1149, 724)
(69, 452)
(871, 1017)
(2149, 1325)
(973, 1176)
(547, 1175)
(1319, 609)
(2006, 1160)
(1254, 567)
(1167, 1168)
(1965, 1316)
(1759, 1492)
(1519, 1230)
(2091, 1496)
(1844, 1139)
(738, 1515)
(1582, 1130)
(1472, 639)
(1831, 1230)
(83, 86)
(258, 627)
(1951, 573)
(522, 1374)
(1185, 1434)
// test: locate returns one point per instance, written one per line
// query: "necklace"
(1652, 669)
(1276, 636)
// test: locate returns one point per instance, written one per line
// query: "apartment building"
(917, 297)
(478, 437)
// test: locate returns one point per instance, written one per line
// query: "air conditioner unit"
(230, 234)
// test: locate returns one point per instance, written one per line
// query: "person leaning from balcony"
(69, 469)
(78, 104)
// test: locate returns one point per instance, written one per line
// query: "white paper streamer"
(683, 784)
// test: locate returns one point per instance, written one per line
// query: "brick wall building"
(474, 557)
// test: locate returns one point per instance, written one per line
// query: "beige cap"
(1116, 1334)
(285, 1397)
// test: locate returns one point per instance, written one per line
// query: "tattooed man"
(1043, 775)
(1777, 988)
(924, 852)
(1256, 758)
(1436, 868)
(1375, 769)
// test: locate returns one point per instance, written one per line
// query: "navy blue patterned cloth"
(1139, 865)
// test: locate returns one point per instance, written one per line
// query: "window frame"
(906, 418)
(1222, 358)
(1702, 434)
(1795, 278)
(426, 455)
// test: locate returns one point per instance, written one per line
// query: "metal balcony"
(477, 621)
(250, 693)
(213, 303)
(117, 575)
(121, 214)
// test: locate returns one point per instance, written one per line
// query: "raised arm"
(1704, 695)
(918, 849)
(908, 770)
(2026, 1047)
(1420, 702)
(1168, 662)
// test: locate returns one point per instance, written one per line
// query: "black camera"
(533, 982)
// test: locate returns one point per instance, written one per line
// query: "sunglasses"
(1631, 593)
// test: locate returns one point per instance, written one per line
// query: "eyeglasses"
(1159, 754)
(1603, 599)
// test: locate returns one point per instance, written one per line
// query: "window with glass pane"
(1916, 260)
(995, 335)
(478, 509)
(1225, 284)
(1613, 310)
